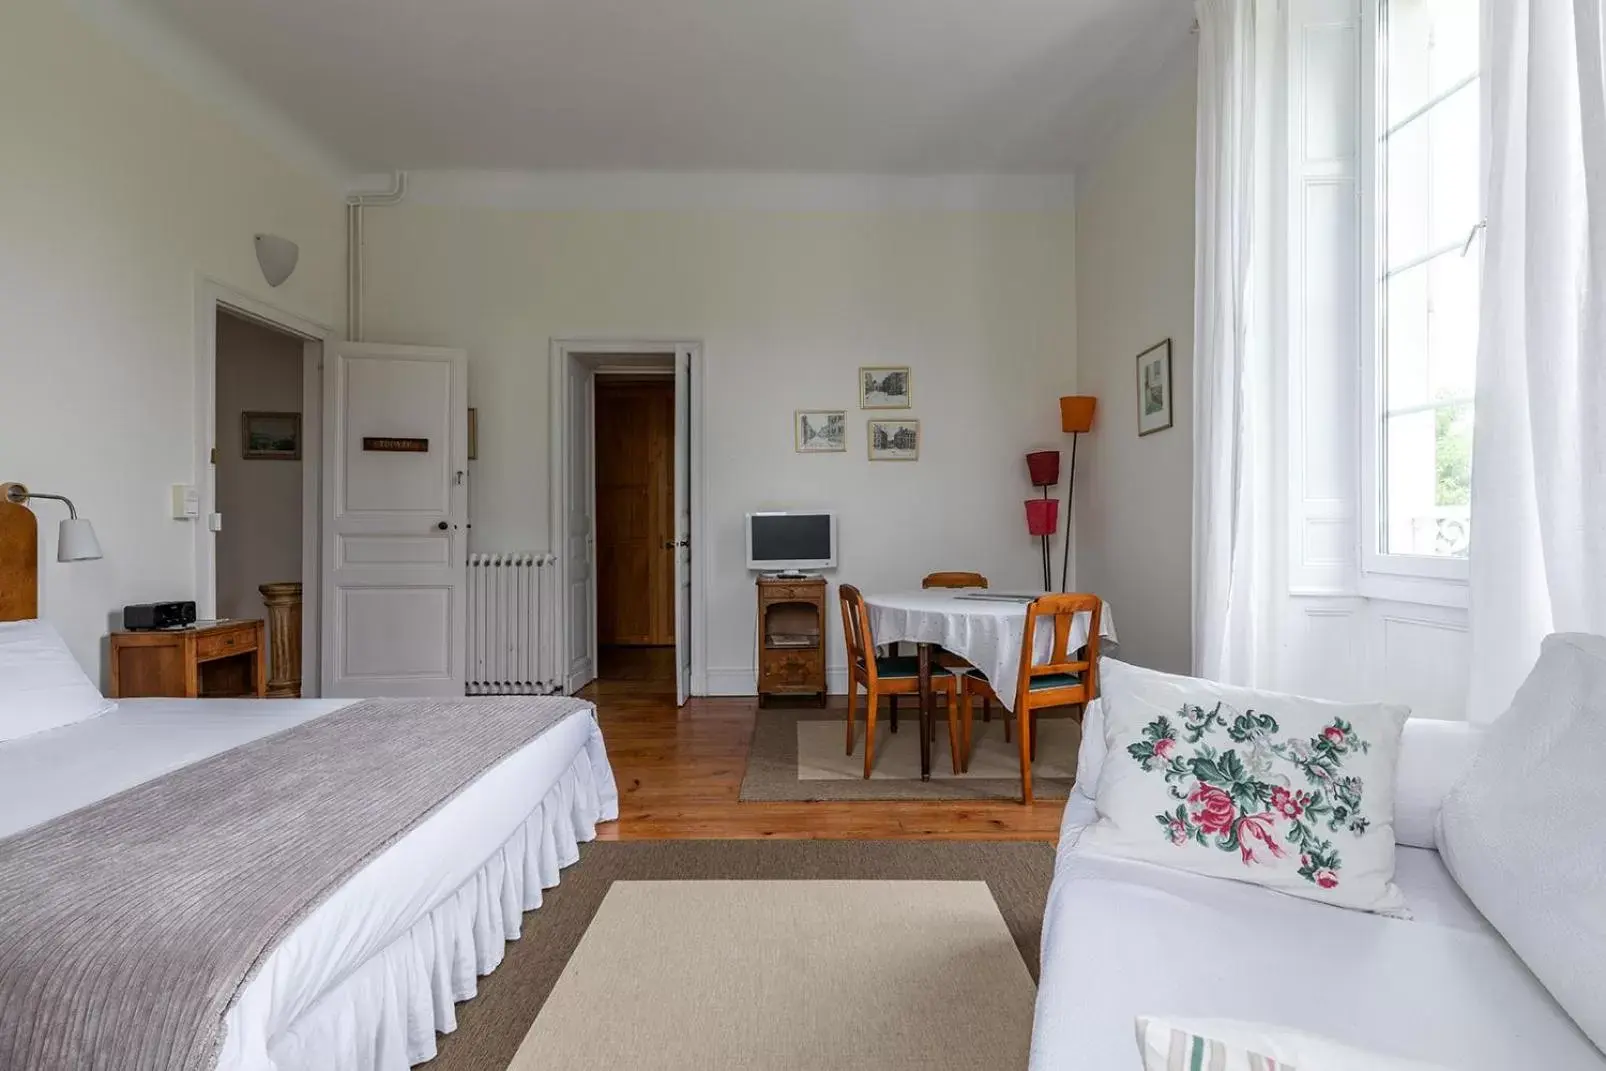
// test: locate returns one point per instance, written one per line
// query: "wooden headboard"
(19, 562)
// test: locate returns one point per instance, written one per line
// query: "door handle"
(669, 544)
(442, 525)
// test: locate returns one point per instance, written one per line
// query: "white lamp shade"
(77, 542)
(277, 257)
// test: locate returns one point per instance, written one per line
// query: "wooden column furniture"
(222, 659)
(1067, 677)
(891, 676)
(284, 638)
(791, 638)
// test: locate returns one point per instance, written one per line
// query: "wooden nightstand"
(214, 660)
(791, 638)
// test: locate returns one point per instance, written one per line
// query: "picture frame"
(885, 387)
(473, 433)
(820, 431)
(894, 440)
(268, 436)
(1155, 408)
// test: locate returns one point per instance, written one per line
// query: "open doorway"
(259, 478)
(634, 491)
(602, 393)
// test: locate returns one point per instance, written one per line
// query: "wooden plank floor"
(679, 772)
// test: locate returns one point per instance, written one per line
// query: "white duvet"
(367, 979)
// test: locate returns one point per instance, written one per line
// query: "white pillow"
(1524, 832)
(41, 686)
(1434, 755)
(1290, 793)
(1090, 756)
(1226, 1045)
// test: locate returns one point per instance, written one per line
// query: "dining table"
(985, 628)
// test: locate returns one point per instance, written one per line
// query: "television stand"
(791, 637)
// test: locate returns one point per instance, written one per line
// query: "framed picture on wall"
(820, 431)
(1154, 389)
(894, 440)
(270, 436)
(885, 388)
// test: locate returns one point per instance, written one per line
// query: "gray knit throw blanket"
(127, 928)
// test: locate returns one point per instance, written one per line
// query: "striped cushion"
(1224, 1045)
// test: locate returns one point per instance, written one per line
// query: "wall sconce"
(277, 257)
(76, 540)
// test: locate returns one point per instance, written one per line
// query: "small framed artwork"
(1154, 389)
(473, 434)
(894, 440)
(270, 436)
(820, 431)
(884, 388)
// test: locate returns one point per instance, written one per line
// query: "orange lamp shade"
(1076, 412)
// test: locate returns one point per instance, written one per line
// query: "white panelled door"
(395, 518)
(581, 594)
(683, 532)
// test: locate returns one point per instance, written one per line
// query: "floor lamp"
(1042, 514)
(1076, 418)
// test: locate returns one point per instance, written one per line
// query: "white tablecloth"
(986, 633)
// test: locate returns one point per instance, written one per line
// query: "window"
(1427, 204)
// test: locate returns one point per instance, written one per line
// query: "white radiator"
(512, 624)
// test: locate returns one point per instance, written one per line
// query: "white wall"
(788, 305)
(1134, 496)
(118, 190)
(257, 369)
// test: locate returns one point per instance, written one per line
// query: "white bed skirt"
(386, 1014)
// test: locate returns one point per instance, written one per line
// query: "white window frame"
(1414, 578)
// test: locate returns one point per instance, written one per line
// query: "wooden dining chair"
(1067, 678)
(954, 580)
(947, 659)
(885, 675)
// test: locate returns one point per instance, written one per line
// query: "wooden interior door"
(635, 458)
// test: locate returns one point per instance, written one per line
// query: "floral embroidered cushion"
(1228, 1045)
(1291, 793)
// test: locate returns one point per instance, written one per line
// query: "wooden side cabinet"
(791, 638)
(218, 660)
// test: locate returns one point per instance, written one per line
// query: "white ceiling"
(867, 86)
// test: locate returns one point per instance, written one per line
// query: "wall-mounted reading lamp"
(76, 541)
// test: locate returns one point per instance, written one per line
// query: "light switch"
(186, 502)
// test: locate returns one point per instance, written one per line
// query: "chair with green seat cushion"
(1067, 678)
(897, 666)
(884, 675)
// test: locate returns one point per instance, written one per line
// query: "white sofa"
(1123, 939)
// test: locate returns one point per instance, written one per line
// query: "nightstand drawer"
(221, 644)
(801, 592)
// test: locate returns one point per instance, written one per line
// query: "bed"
(369, 976)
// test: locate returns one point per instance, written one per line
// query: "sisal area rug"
(770, 932)
(789, 974)
(801, 755)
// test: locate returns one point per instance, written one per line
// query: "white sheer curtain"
(1234, 425)
(1538, 559)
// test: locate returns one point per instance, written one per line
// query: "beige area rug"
(493, 1025)
(801, 755)
(878, 975)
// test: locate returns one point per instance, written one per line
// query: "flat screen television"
(788, 541)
